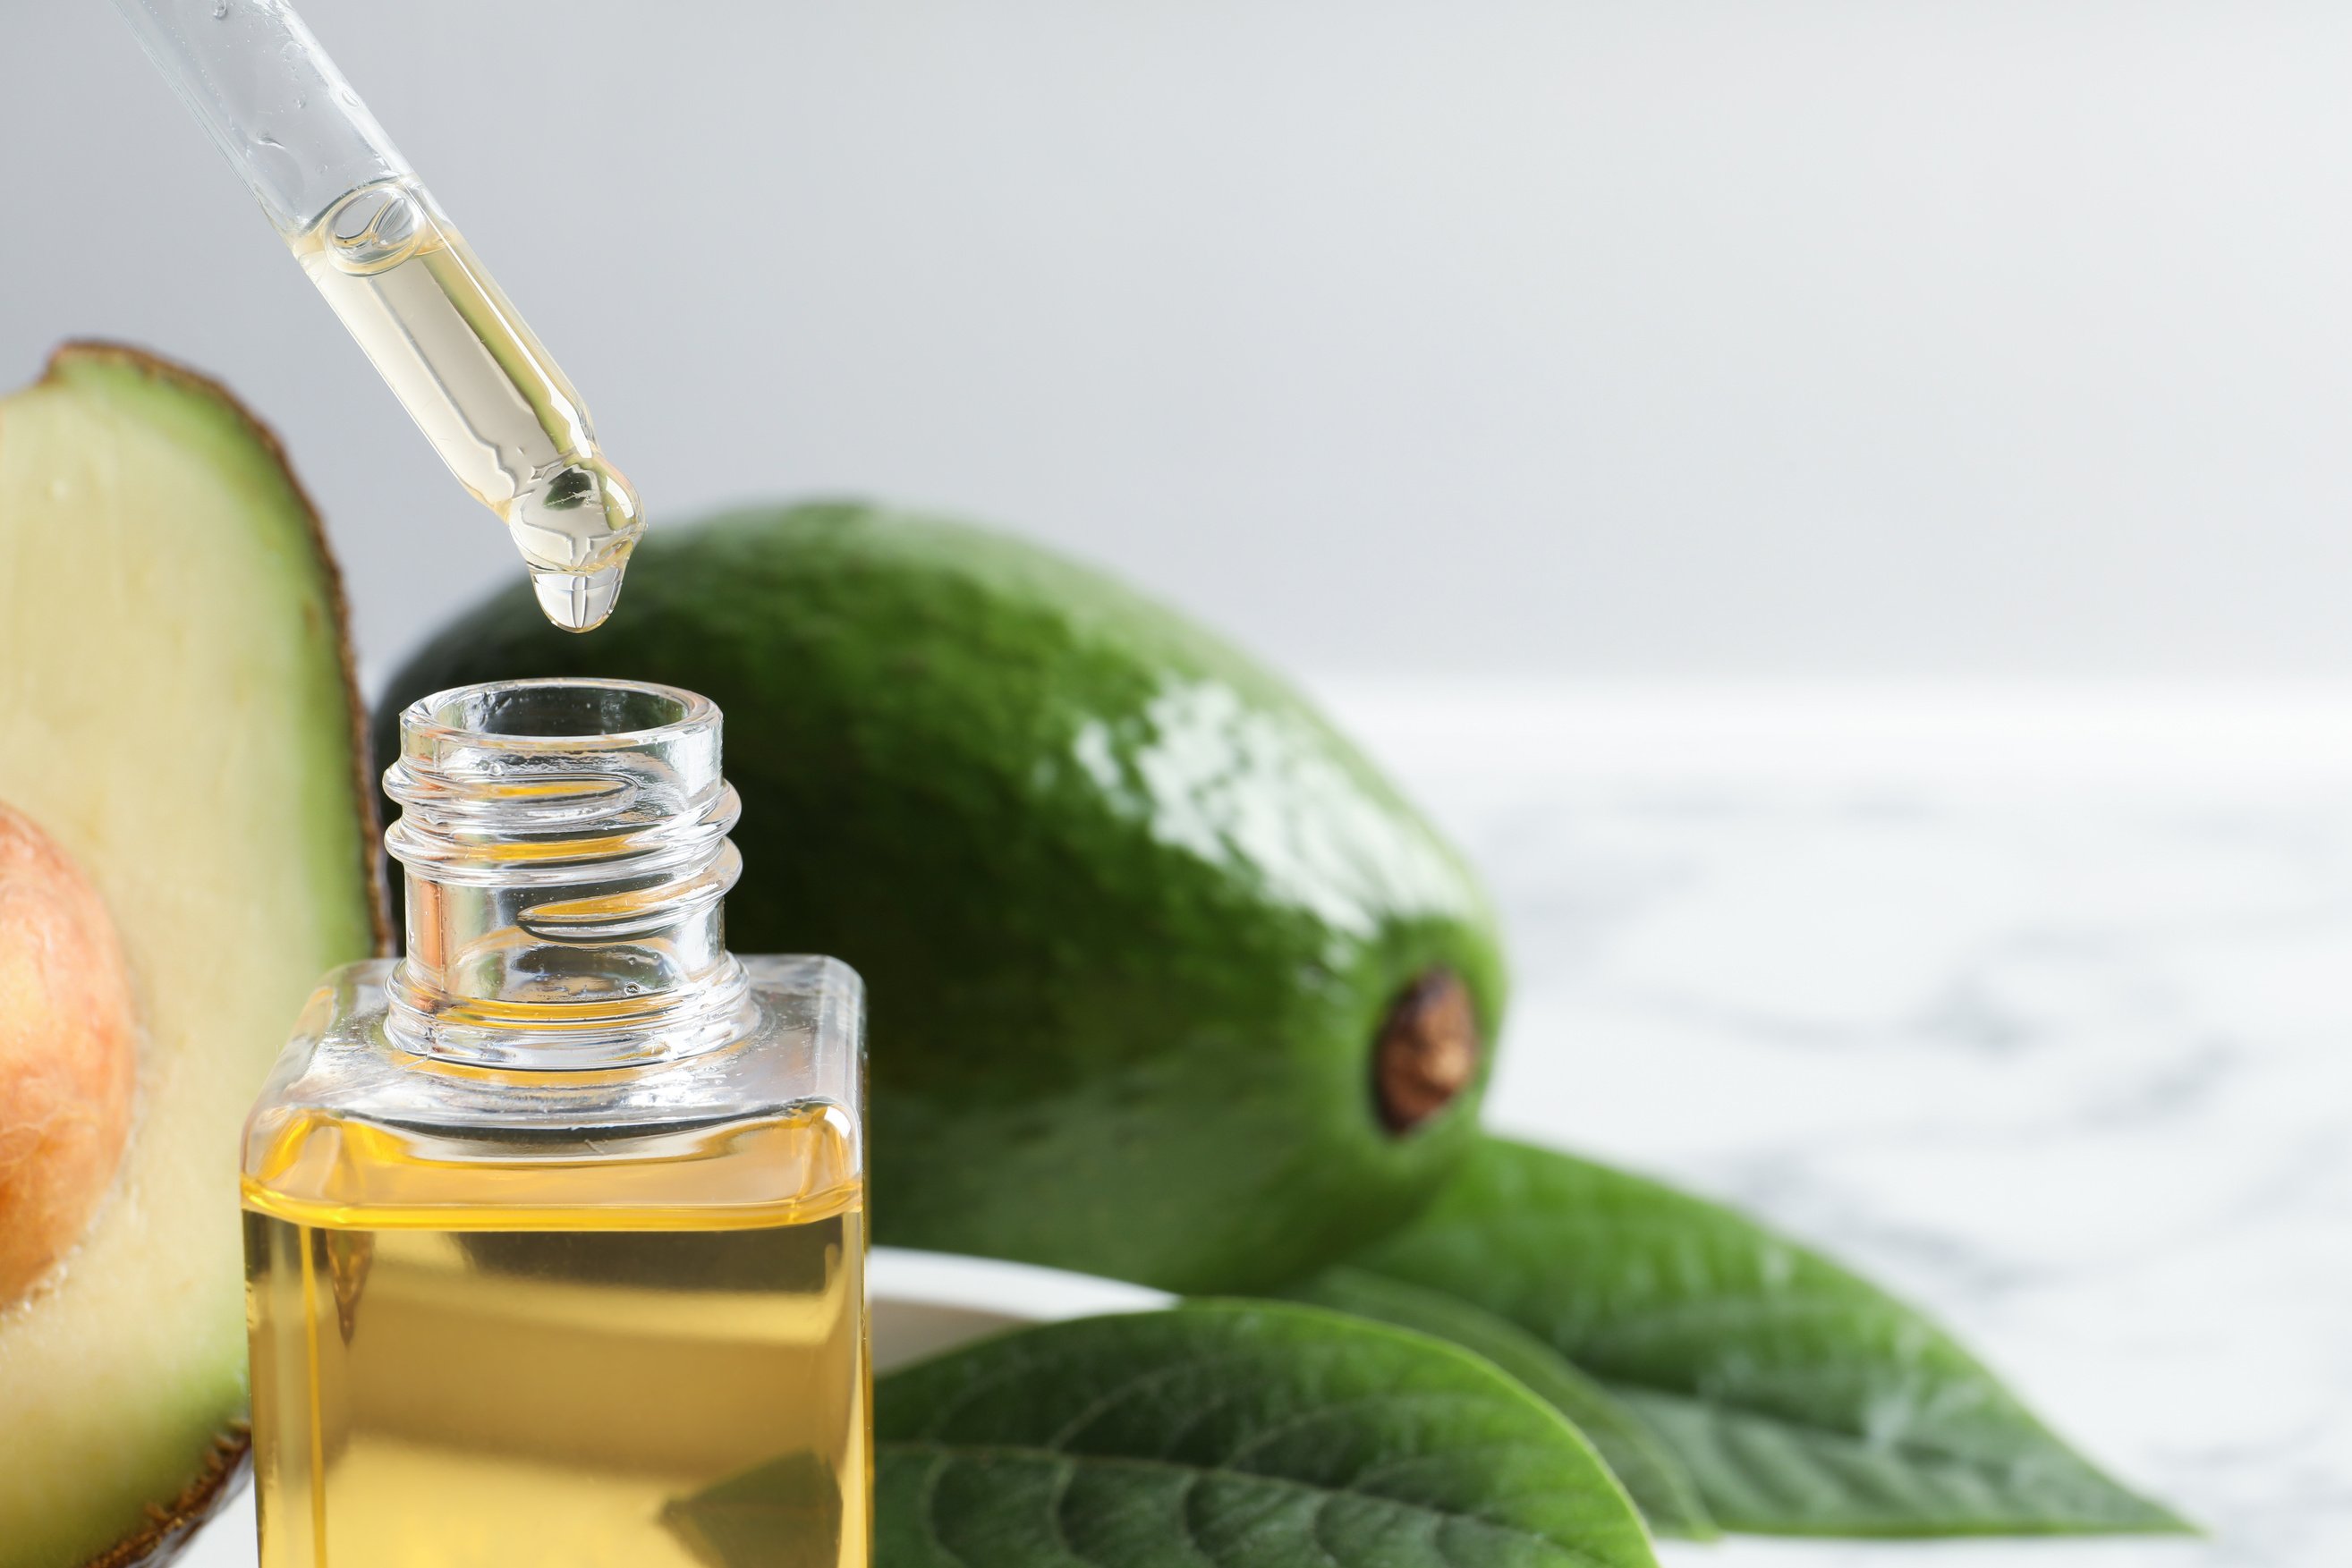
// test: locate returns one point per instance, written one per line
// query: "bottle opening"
(592, 713)
(566, 859)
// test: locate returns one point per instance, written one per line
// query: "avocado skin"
(1130, 914)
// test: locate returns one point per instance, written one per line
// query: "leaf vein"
(950, 1452)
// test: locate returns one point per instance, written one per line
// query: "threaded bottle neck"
(567, 862)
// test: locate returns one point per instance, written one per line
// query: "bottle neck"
(567, 863)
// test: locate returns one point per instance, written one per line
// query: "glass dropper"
(438, 329)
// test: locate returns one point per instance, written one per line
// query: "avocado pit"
(69, 1054)
(1427, 1050)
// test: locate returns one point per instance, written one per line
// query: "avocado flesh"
(1130, 915)
(175, 710)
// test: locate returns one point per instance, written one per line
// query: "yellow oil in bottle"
(487, 395)
(539, 1374)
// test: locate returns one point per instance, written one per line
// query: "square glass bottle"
(558, 1222)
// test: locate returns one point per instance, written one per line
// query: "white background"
(2005, 338)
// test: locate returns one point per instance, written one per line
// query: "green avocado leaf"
(1803, 1400)
(1661, 1488)
(1213, 1435)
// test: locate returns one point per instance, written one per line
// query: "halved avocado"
(178, 715)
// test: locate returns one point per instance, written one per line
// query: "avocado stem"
(1427, 1051)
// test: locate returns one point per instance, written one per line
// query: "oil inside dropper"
(487, 394)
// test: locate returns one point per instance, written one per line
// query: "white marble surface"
(2034, 1007)
(2037, 1008)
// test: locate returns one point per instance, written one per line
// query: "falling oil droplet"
(577, 601)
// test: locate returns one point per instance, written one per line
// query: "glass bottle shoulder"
(352, 1130)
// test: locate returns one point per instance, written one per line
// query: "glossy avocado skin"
(1130, 914)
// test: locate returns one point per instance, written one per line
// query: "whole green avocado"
(1165, 981)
